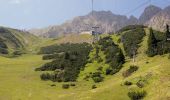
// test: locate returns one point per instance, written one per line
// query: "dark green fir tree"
(152, 44)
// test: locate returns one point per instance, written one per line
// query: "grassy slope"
(72, 39)
(19, 81)
(24, 40)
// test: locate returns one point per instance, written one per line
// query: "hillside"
(15, 41)
(152, 73)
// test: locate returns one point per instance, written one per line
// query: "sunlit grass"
(19, 81)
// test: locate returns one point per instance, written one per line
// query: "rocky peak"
(148, 13)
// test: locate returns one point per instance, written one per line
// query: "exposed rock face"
(148, 13)
(159, 21)
(133, 20)
(106, 20)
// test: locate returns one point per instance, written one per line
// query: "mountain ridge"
(107, 21)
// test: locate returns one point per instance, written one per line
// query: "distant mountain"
(148, 13)
(159, 21)
(107, 21)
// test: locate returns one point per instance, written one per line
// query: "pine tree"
(167, 32)
(152, 44)
(167, 38)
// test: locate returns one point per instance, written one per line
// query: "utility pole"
(94, 28)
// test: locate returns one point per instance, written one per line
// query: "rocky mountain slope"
(107, 21)
(160, 20)
(148, 13)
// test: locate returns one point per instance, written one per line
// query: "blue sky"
(26, 14)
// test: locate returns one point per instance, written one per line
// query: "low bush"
(119, 40)
(52, 85)
(97, 77)
(137, 95)
(86, 78)
(94, 86)
(45, 76)
(2, 44)
(99, 60)
(100, 68)
(147, 62)
(133, 69)
(127, 83)
(70, 59)
(108, 71)
(18, 52)
(141, 83)
(72, 84)
(65, 86)
(3, 51)
(130, 71)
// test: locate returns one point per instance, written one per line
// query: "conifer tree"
(167, 32)
(152, 44)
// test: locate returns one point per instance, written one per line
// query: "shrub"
(65, 86)
(137, 95)
(2, 44)
(119, 40)
(114, 71)
(45, 76)
(50, 56)
(94, 86)
(3, 51)
(86, 77)
(69, 58)
(99, 60)
(130, 71)
(100, 68)
(90, 61)
(17, 52)
(114, 55)
(133, 69)
(147, 62)
(108, 71)
(141, 83)
(52, 85)
(127, 83)
(131, 40)
(97, 77)
(72, 84)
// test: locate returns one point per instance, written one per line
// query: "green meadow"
(19, 81)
